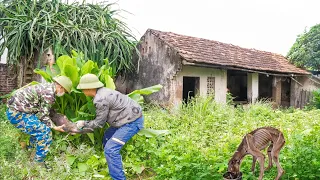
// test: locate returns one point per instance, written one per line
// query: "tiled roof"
(203, 51)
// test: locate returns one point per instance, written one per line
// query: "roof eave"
(217, 66)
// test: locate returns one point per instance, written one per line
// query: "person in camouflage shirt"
(29, 109)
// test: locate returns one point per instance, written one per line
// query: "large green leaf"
(70, 159)
(69, 61)
(146, 91)
(60, 62)
(72, 72)
(152, 132)
(91, 137)
(137, 97)
(90, 105)
(82, 167)
(85, 115)
(137, 168)
(137, 94)
(87, 67)
(55, 70)
(109, 82)
(44, 74)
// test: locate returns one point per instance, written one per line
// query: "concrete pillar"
(203, 86)
(253, 87)
(276, 90)
(220, 94)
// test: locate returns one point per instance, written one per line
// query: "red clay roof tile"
(198, 50)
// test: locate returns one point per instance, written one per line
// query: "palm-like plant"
(29, 27)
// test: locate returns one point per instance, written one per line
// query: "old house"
(187, 66)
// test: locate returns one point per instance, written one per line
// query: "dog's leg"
(269, 156)
(254, 160)
(275, 154)
(257, 153)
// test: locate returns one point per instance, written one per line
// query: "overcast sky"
(270, 25)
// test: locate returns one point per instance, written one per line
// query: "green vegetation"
(75, 105)
(29, 27)
(203, 136)
(305, 52)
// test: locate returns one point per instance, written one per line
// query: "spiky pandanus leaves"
(29, 26)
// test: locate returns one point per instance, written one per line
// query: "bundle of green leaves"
(75, 105)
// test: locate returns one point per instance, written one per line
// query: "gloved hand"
(80, 124)
(59, 128)
(76, 128)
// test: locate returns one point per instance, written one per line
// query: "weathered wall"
(8, 81)
(203, 73)
(301, 90)
(158, 65)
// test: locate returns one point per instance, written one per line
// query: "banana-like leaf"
(72, 72)
(44, 74)
(91, 137)
(153, 132)
(60, 62)
(75, 90)
(137, 94)
(85, 115)
(55, 70)
(137, 97)
(90, 105)
(88, 67)
(146, 91)
(108, 81)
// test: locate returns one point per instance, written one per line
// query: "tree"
(305, 52)
(30, 27)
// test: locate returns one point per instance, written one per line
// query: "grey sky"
(270, 25)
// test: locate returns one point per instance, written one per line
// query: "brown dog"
(60, 119)
(253, 143)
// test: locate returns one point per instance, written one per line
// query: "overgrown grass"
(203, 137)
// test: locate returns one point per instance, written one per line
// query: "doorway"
(285, 92)
(265, 87)
(190, 87)
(237, 85)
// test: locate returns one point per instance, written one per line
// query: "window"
(210, 85)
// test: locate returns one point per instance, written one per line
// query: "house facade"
(188, 66)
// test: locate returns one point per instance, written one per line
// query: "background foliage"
(305, 52)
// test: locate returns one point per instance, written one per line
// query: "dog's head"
(234, 163)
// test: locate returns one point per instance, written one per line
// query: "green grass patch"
(203, 137)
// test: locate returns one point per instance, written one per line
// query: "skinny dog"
(253, 143)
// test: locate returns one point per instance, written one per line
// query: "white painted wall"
(4, 57)
(253, 87)
(202, 73)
